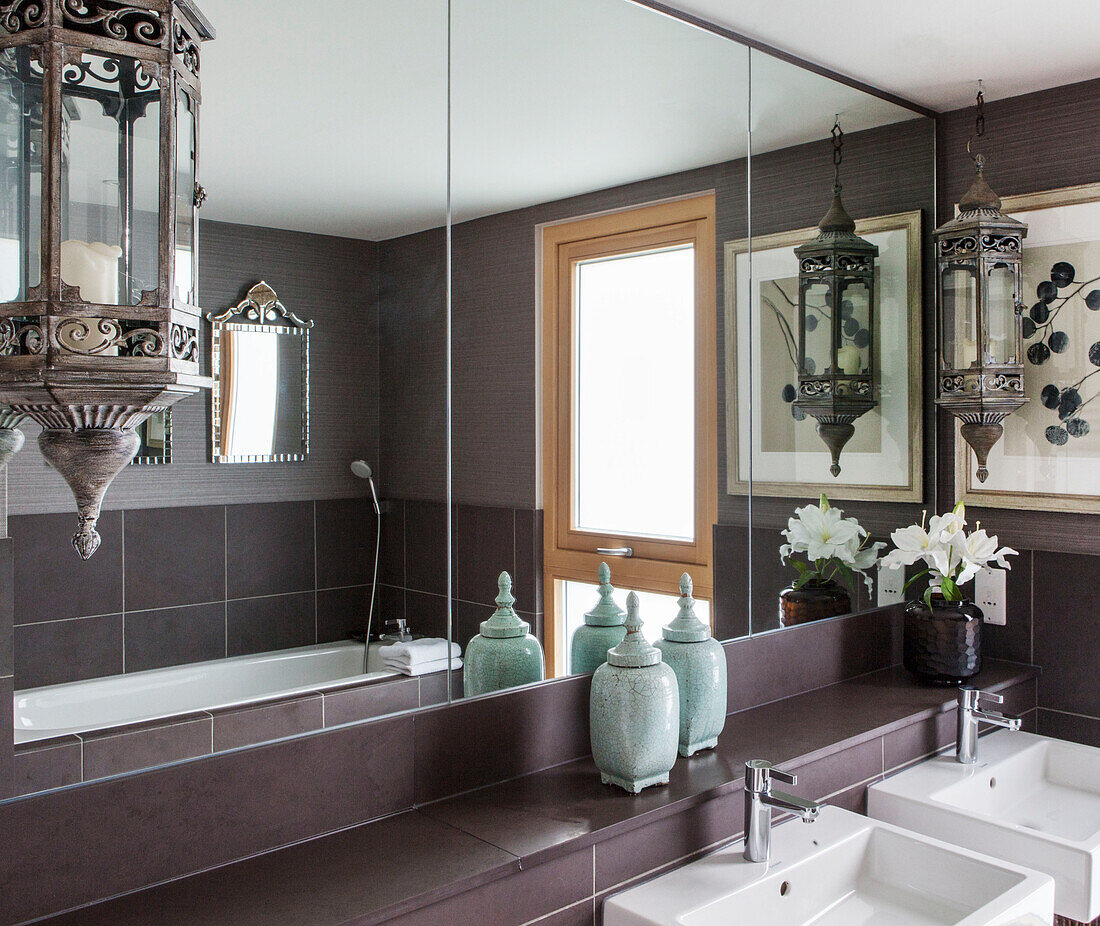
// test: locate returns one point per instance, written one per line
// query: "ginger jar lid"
(606, 613)
(504, 622)
(686, 627)
(635, 652)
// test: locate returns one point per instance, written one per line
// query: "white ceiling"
(931, 52)
(337, 123)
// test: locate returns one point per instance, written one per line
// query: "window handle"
(615, 551)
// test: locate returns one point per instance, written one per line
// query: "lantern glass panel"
(20, 172)
(959, 307)
(185, 199)
(817, 324)
(1000, 315)
(854, 347)
(110, 179)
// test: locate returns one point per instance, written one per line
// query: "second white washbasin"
(843, 870)
(1031, 800)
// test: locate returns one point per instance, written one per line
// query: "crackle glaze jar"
(602, 629)
(504, 654)
(700, 666)
(634, 712)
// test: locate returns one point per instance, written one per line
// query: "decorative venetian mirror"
(260, 360)
(155, 433)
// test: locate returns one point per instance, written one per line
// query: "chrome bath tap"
(759, 801)
(970, 715)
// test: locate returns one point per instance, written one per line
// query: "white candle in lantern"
(92, 266)
(848, 359)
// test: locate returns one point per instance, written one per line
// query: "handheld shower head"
(361, 468)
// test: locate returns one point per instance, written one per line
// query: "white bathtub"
(76, 707)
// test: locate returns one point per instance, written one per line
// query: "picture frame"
(1026, 469)
(884, 459)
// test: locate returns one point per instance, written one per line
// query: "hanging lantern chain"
(838, 152)
(979, 128)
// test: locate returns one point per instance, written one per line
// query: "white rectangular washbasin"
(1031, 800)
(842, 870)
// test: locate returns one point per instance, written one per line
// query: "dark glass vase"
(943, 644)
(814, 601)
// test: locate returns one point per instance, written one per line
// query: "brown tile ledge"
(836, 737)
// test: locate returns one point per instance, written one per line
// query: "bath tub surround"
(80, 731)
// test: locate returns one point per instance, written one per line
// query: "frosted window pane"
(634, 438)
(655, 610)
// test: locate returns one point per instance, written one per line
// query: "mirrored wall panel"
(232, 604)
(644, 354)
(829, 402)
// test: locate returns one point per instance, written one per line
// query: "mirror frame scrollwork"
(260, 310)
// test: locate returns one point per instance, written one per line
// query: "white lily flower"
(825, 536)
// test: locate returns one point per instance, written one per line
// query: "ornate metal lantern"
(836, 322)
(99, 326)
(978, 285)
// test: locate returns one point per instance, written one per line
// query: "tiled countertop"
(382, 869)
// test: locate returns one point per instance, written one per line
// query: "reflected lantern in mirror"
(978, 284)
(98, 323)
(836, 322)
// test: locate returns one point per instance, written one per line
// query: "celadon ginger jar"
(504, 654)
(700, 666)
(634, 712)
(602, 629)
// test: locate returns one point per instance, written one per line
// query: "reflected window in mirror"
(655, 609)
(629, 316)
(261, 381)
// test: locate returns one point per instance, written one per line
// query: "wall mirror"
(266, 570)
(260, 401)
(507, 468)
(643, 406)
(156, 440)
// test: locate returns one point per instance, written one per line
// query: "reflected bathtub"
(96, 704)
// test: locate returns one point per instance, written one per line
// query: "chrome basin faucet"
(759, 801)
(971, 714)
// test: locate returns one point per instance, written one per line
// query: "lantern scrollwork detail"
(98, 311)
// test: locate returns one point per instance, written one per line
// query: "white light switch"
(890, 586)
(990, 594)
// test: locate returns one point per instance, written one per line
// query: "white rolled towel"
(426, 668)
(415, 652)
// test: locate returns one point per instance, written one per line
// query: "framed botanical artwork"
(766, 434)
(1049, 456)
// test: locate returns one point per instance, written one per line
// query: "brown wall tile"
(53, 763)
(269, 549)
(259, 625)
(1073, 727)
(39, 542)
(174, 556)
(366, 701)
(145, 745)
(174, 636)
(476, 742)
(257, 724)
(648, 847)
(66, 651)
(346, 531)
(96, 841)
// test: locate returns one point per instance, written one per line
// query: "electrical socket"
(990, 594)
(890, 586)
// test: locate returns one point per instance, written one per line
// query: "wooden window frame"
(570, 554)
